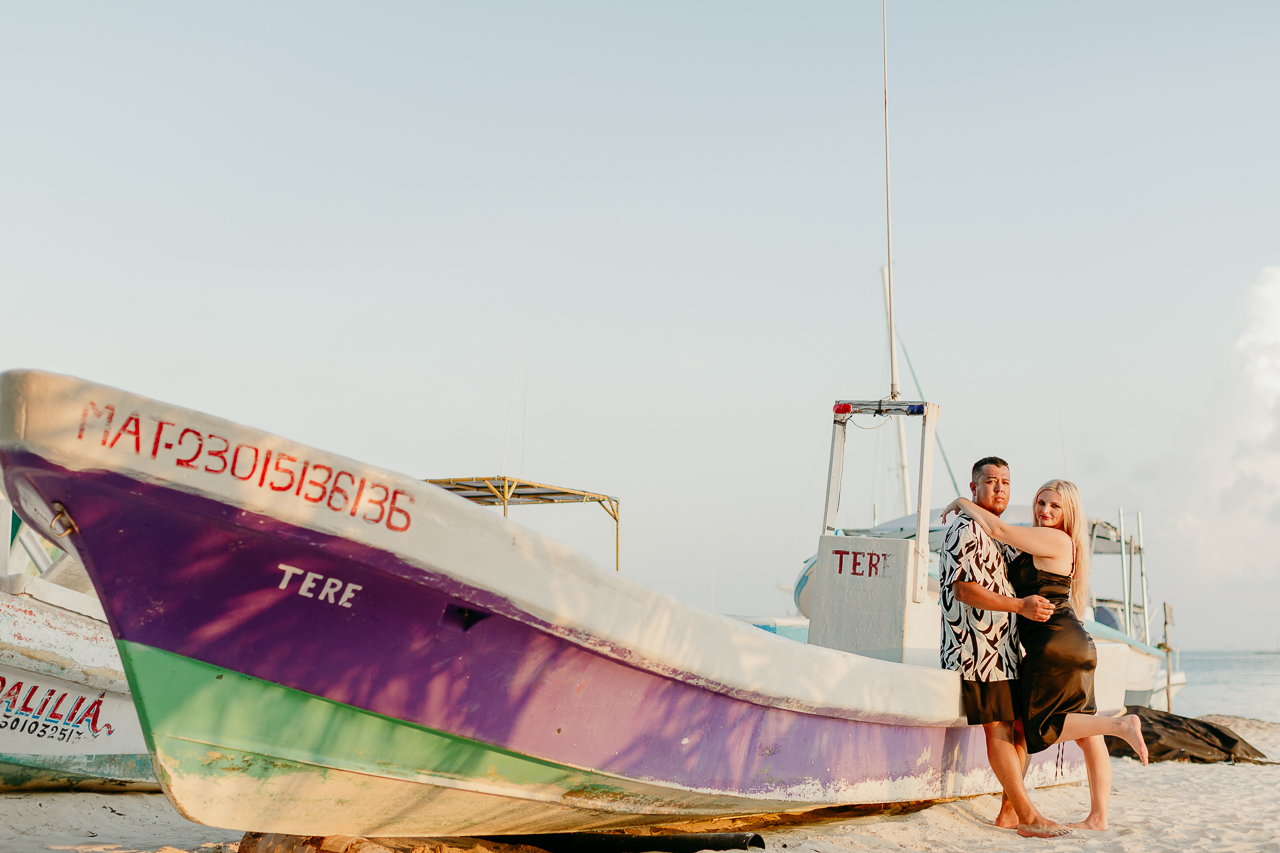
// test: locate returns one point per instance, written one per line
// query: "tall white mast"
(893, 379)
(894, 393)
(1126, 576)
(887, 271)
(1146, 599)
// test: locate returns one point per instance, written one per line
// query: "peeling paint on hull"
(77, 773)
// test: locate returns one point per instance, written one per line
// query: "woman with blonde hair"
(1057, 701)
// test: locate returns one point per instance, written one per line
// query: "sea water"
(1239, 684)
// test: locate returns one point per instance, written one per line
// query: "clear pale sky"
(354, 225)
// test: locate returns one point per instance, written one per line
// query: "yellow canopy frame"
(510, 491)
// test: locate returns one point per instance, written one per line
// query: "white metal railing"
(928, 412)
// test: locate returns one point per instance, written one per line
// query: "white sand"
(1169, 806)
(103, 823)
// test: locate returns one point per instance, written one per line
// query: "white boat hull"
(66, 717)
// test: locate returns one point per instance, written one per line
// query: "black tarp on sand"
(1171, 737)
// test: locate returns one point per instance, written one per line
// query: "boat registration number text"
(214, 455)
(40, 729)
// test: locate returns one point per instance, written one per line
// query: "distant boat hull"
(1146, 683)
(478, 680)
(66, 718)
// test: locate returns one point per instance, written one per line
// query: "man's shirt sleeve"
(960, 551)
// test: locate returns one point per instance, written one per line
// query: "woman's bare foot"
(1133, 735)
(1092, 822)
(1048, 829)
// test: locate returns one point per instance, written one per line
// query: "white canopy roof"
(1106, 538)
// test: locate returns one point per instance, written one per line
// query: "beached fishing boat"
(1152, 674)
(66, 717)
(316, 646)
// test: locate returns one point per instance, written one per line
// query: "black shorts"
(990, 701)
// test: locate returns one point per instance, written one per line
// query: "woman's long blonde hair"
(1075, 525)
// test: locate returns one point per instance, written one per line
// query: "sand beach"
(1168, 806)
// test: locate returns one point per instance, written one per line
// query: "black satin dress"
(1057, 673)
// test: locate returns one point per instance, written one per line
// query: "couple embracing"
(1007, 588)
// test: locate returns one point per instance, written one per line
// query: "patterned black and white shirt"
(982, 645)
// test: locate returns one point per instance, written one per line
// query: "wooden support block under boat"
(571, 842)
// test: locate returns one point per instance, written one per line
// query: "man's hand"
(1035, 607)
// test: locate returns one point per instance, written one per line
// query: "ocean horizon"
(1235, 683)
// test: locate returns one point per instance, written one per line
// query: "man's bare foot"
(1048, 829)
(1134, 736)
(1096, 824)
(1008, 816)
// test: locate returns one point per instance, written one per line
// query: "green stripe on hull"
(211, 728)
(191, 700)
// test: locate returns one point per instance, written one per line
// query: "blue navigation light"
(915, 410)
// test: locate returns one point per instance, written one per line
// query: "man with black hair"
(980, 641)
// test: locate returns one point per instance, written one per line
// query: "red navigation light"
(843, 408)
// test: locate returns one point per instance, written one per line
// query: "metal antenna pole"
(888, 219)
(894, 392)
(1126, 574)
(1142, 573)
(901, 419)
(1093, 548)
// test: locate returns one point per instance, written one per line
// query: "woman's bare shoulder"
(1061, 537)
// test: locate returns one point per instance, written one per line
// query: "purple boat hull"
(191, 575)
